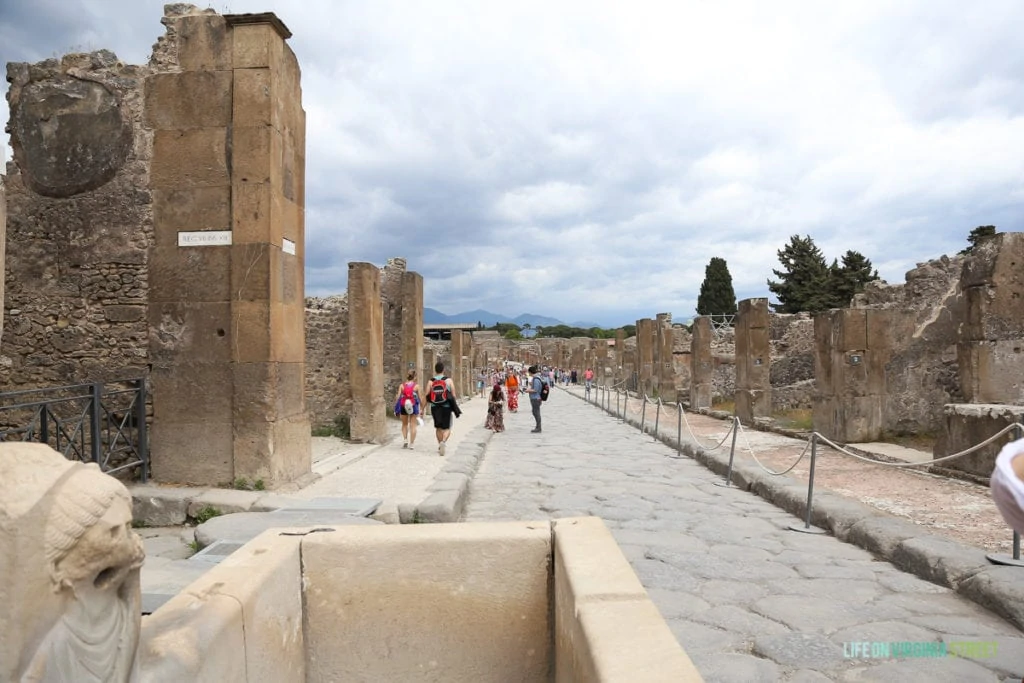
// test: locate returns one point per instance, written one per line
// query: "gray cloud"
(585, 160)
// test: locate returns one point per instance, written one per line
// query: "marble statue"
(70, 562)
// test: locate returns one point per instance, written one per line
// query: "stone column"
(753, 388)
(989, 351)
(3, 248)
(456, 364)
(645, 336)
(850, 353)
(666, 371)
(702, 366)
(395, 367)
(412, 327)
(366, 353)
(620, 351)
(226, 308)
(468, 379)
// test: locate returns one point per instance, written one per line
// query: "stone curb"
(937, 559)
(450, 489)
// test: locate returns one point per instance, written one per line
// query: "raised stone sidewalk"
(746, 597)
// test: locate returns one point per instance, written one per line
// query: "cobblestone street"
(747, 598)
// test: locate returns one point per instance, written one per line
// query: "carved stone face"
(106, 553)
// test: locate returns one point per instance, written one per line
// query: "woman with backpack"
(407, 406)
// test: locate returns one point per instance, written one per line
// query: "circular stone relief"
(68, 136)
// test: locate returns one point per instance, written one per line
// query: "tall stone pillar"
(366, 353)
(412, 328)
(645, 336)
(620, 353)
(702, 366)
(753, 388)
(456, 365)
(468, 379)
(395, 368)
(226, 312)
(3, 248)
(989, 350)
(666, 371)
(851, 350)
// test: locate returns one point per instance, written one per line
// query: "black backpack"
(544, 389)
(438, 392)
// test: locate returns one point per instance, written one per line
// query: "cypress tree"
(717, 296)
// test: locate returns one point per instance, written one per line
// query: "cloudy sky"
(585, 160)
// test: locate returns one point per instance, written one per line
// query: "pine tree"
(804, 281)
(979, 234)
(850, 278)
(717, 296)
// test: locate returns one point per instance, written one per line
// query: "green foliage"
(978, 235)
(194, 545)
(513, 334)
(850, 277)
(717, 296)
(806, 283)
(139, 524)
(510, 331)
(241, 484)
(206, 514)
(259, 485)
(629, 330)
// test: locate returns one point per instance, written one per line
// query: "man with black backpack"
(538, 393)
(441, 397)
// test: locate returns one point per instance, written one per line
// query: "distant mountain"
(432, 316)
(585, 326)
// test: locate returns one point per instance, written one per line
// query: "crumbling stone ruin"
(155, 229)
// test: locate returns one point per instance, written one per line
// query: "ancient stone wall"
(922, 373)
(3, 248)
(391, 300)
(76, 271)
(328, 394)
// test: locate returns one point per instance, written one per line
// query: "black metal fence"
(104, 423)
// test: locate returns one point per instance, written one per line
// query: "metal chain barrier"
(737, 429)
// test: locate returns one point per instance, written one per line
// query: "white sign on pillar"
(205, 238)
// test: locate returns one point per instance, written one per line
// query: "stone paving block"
(1000, 589)
(160, 506)
(387, 513)
(731, 667)
(441, 506)
(881, 535)
(245, 526)
(1006, 657)
(938, 559)
(449, 482)
(273, 501)
(920, 670)
(223, 500)
(800, 650)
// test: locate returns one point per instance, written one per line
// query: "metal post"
(643, 414)
(732, 455)
(44, 426)
(94, 422)
(1010, 560)
(141, 431)
(657, 417)
(807, 528)
(679, 428)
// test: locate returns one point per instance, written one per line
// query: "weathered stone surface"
(70, 563)
(69, 135)
(245, 526)
(937, 559)
(160, 506)
(800, 650)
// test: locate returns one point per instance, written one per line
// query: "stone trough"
(513, 601)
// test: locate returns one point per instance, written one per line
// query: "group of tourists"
(440, 395)
(505, 386)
